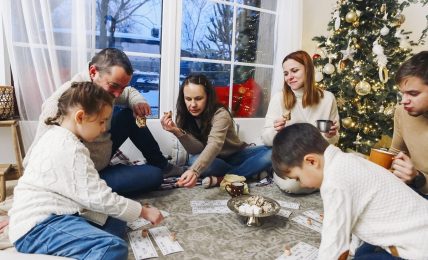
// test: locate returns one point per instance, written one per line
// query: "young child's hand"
(3, 224)
(188, 179)
(151, 214)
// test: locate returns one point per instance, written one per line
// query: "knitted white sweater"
(326, 109)
(60, 178)
(366, 200)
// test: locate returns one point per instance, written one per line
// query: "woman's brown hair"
(311, 93)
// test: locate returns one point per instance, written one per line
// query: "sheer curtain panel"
(48, 41)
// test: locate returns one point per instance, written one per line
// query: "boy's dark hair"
(87, 95)
(292, 143)
(110, 57)
(185, 120)
(416, 66)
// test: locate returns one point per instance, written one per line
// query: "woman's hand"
(333, 130)
(151, 214)
(279, 123)
(403, 168)
(188, 179)
(168, 124)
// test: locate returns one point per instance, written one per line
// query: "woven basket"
(7, 104)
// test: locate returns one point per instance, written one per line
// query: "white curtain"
(288, 33)
(48, 41)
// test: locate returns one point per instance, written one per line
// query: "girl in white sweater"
(300, 101)
(61, 189)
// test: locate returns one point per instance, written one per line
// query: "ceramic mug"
(235, 189)
(381, 157)
(324, 125)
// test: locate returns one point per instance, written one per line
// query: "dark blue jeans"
(130, 180)
(73, 236)
(370, 252)
(247, 162)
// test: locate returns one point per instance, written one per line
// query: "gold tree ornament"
(347, 122)
(362, 88)
(351, 17)
(389, 110)
(340, 101)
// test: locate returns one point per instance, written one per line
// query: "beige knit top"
(222, 141)
(411, 136)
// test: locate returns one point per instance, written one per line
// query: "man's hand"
(141, 109)
(403, 168)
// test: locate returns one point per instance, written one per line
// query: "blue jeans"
(131, 180)
(72, 236)
(247, 162)
(370, 252)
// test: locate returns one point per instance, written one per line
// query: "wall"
(316, 17)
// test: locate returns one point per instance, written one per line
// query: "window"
(135, 28)
(231, 42)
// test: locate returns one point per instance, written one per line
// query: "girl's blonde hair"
(311, 94)
(89, 96)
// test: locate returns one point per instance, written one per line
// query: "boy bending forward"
(359, 198)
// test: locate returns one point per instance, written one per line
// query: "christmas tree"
(357, 63)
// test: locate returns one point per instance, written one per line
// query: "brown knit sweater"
(411, 136)
(222, 141)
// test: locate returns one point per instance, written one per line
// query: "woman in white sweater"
(300, 101)
(61, 190)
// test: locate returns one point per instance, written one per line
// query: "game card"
(209, 206)
(288, 204)
(141, 246)
(313, 215)
(163, 239)
(308, 222)
(285, 213)
(301, 251)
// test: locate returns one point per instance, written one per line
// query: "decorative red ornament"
(316, 56)
(246, 97)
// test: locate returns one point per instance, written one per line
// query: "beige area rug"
(223, 236)
(226, 236)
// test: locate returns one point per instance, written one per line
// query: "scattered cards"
(288, 204)
(209, 206)
(314, 215)
(308, 222)
(141, 246)
(285, 213)
(301, 251)
(163, 239)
